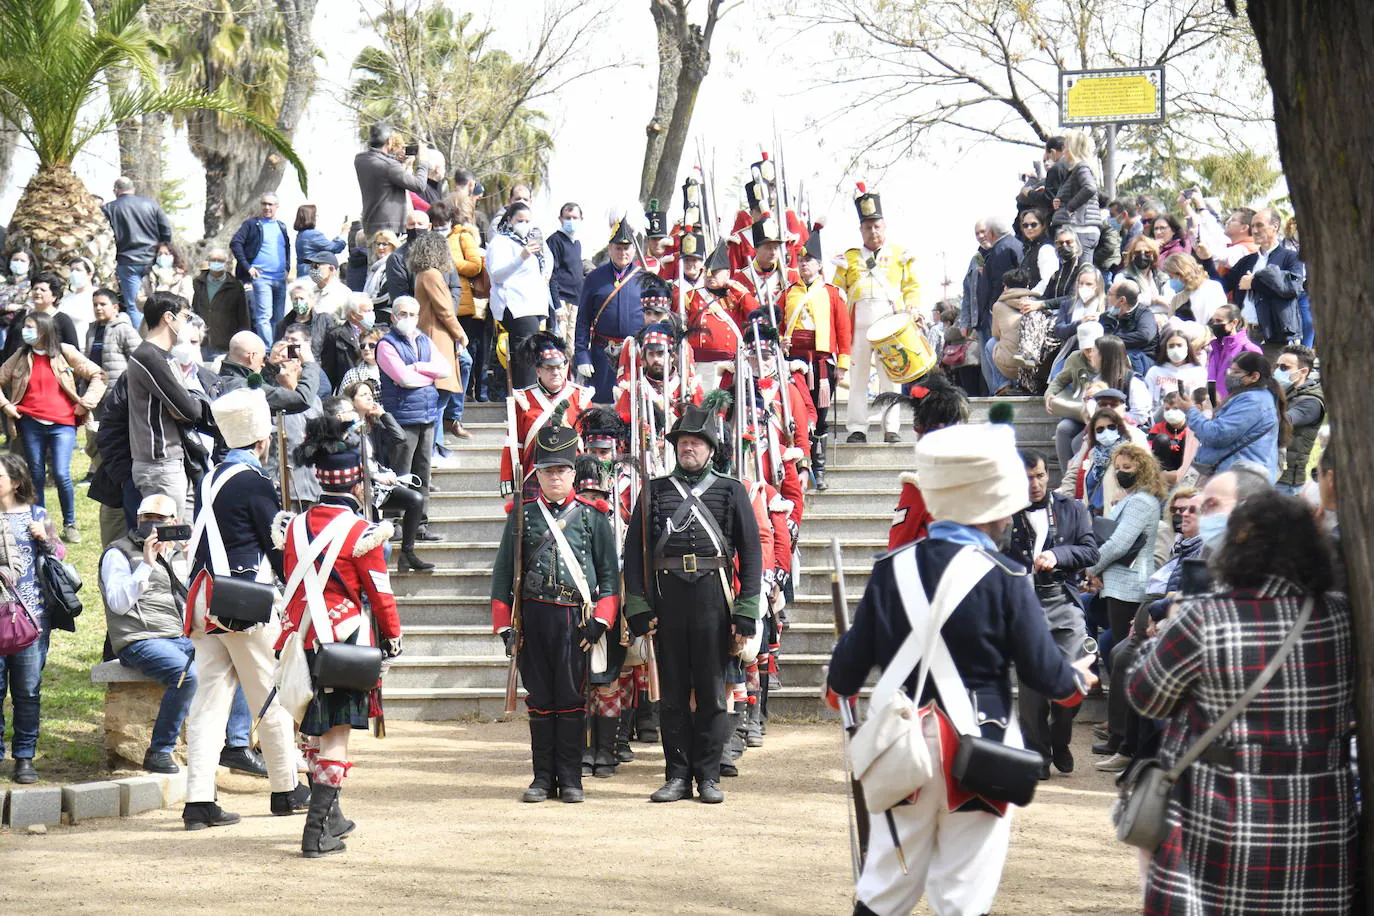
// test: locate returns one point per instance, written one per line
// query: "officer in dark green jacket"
(571, 592)
(701, 599)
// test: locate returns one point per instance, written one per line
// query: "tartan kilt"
(1242, 843)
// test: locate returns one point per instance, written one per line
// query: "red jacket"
(911, 518)
(534, 403)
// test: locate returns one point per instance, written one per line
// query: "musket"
(775, 454)
(518, 576)
(364, 449)
(650, 578)
(858, 810)
(739, 412)
(283, 466)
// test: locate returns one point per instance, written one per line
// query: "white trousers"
(866, 311)
(222, 663)
(955, 859)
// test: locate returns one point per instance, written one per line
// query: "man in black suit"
(1267, 284)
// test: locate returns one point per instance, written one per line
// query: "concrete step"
(430, 671)
(815, 551)
(484, 412)
(483, 433)
(457, 554)
(453, 640)
(468, 505)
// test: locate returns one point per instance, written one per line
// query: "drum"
(901, 348)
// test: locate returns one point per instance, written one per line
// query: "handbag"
(237, 603)
(18, 628)
(952, 355)
(996, 770)
(481, 284)
(346, 666)
(889, 752)
(1142, 813)
(1104, 528)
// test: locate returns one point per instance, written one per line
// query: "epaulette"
(280, 522)
(737, 286)
(792, 453)
(599, 504)
(780, 504)
(908, 477)
(521, 399)
(373, 536)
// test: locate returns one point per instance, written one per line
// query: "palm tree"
(55, 87)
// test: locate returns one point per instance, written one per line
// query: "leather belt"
(557, 595)
(689, 563)
(1277, 760)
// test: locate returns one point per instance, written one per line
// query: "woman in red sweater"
(40, 393)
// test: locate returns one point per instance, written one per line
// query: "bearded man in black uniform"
(699, 599)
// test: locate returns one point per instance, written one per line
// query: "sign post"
(1109, 98)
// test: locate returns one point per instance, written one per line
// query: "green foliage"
(56, 65)
(1239, 177)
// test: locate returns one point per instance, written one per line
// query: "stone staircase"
(453, 666)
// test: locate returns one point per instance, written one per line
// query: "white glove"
(585, 370)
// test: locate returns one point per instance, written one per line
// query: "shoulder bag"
(1142, 813)
(889, 752)
(18, 627)
(1104, 527)
(239, 604)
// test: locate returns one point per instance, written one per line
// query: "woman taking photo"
(311, 241)
(1168, 232)
(25, 534)
(520, 272)
(1175, 362)
(1142, 268)
(1126, 560)
(1265, 821)
(1250, 425)
(1195, 295)
(40, 393)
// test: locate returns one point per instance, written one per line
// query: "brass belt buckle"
(689, 562)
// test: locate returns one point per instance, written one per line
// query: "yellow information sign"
(1111, 96)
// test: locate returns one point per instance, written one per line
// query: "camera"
(413, 149)
(293, 351)
(170, 533)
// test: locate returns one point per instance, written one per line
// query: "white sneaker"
(1116, 763)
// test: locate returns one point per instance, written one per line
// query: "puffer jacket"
(67, 366)
(120, 341)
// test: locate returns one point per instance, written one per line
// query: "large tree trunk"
(9, 141)
(684, 57)
(1319, 58)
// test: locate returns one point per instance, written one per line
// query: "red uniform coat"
(361, 569)
(911, 518)
(533, 408)
(768, 288)
(694, 394)
(715, 321)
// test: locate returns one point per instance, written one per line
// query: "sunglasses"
(1102, 429)
(1185, 510)
(1030, 225)
(369, 346)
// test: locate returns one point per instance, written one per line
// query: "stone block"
(88, 800)
(138, 794)
(34, 806)
(131, 708)
(173, 788)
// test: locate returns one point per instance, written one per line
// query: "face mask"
(30, 336)
(570, 226)
(1176, 284)
(165, 261)
(1109, 438)
(1142, 261)
(1065, 252)
(77, 280)
(520, 229)
(186, 354)
(366, 320)
(301, 306)
(217, 267)
(1212, 530)
(1282, 376)
(411, 233)
(1177, 354)
(1219, 330)
(317, 275)
(1126, 479)
(1116, 223)
(406, 326)
(1086, 294)
(19, 268)
(1175, 418)
(144, 529)
(1234, 381)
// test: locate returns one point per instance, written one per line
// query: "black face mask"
(1142, 261)
(411, 233)
(143, 530)
(718, 291)
(1126, 479)
(1178, 524)
(1219, 330)
(1066, 253)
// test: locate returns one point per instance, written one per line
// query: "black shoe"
(316, 840)
(295, 801)
(818, 476)
(243, 760)
(426, 535)
(708, 790)
(891, 438)
(857, 438)
(199, 815)
(1044, 771)
(623, 752)
(1107, 748)
(535, 793)
(159, 762)
(1063, 760)
(571, 795)
(728, 769)
(24, 772)
(409, 562)
(603, 732)
(673, 790)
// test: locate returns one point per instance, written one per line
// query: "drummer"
(878, 280)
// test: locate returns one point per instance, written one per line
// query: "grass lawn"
(71, 732)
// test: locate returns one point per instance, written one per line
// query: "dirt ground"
(440, 825)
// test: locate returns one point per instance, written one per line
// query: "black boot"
(542, 754)
(603, 732)
(624, 726)
(292, 802)
(646, 719)
(727, 758)
(409, 562)
(317, 841)
(569, 736)
(338, 825)
(818, 449)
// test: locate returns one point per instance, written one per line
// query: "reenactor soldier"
(608, 312)
(877, 280)
(765, 277)
(714, 316)
(535, 405)
(570, 593)
(692, 534)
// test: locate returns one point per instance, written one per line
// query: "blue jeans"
(459, 401)
(269, 305)
(163, 660)
(1309, 332)
(130, 277)
(991, 376)
(39, 439)
(21, 674)
(445, 398)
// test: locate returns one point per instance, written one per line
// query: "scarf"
(511, 234)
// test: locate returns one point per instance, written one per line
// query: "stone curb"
(35, 809)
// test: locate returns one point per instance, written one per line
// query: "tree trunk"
(695, 60)
(216, 192)
(670, 22)
(1319, 58)
(9, 141)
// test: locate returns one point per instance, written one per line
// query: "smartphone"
(1181, 392)
(293, 351)
(413, 149)
(1193, 580)
(1212, 392)
(168, 533)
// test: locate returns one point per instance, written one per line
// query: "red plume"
(764, 154)
(863, 188)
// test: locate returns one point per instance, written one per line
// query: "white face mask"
(1174, 417)
(186, 354)
(521, 229)
(20, 268)
(406, 326)
(1086, 294)
(77, 280)
(1177, 353)
(165, 261)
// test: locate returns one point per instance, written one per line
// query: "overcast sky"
(598, 125)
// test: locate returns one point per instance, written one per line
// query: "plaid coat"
(1277, 833)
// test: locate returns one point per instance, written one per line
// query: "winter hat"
(971, 473)
(1089, 332)
(242, 416)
